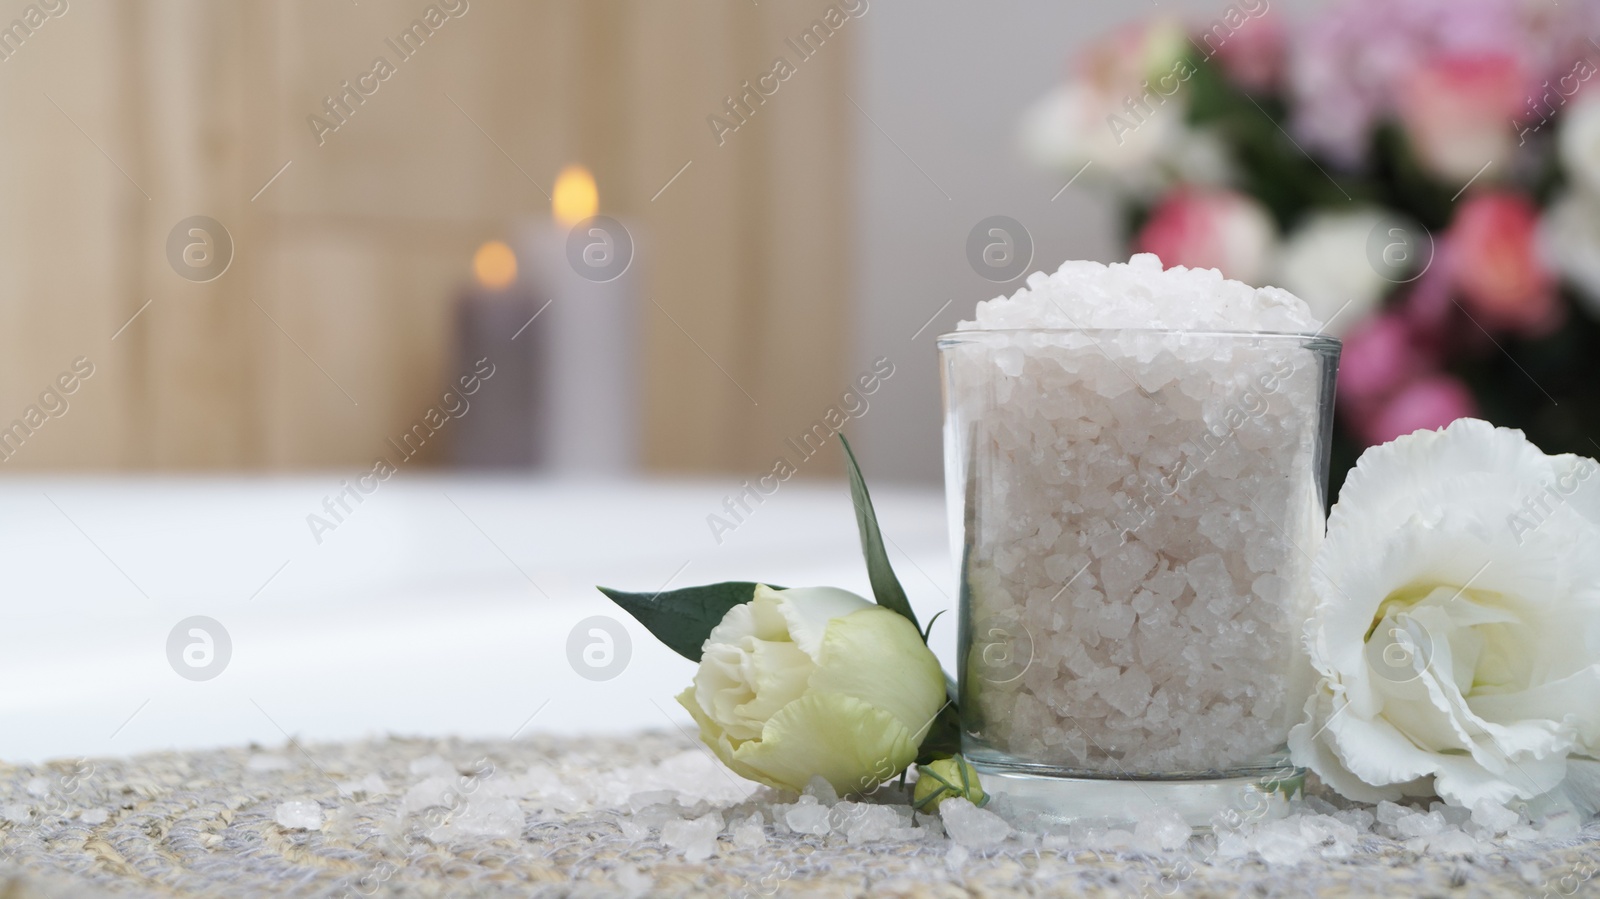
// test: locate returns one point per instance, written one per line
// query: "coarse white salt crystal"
(1453, 843)
(819, 789)
(956, 857)
(633, 829)
(38, 787)
(1359, 819)
(750, 833)
(16, 812)
(1419, 824)
(640, 801)
(1160, 829)
(1492, 817)
(94, 816)
(807, 816)
(432, 766)
(633, 881)
(430, 792)
(1335, 838)
(1389, 812)
(484, 816)
(298, 814)
(371, 785)
(864, 822)
(1280, 843)
(971, 826)
(697, 838)
(1139, 294)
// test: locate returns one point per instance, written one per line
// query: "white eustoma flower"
(815, 681)
(1457, 627)
(1569, 232)
(1325, 263)
(1578, 144)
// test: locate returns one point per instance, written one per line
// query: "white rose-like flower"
(1077, 124)
(815, 681)
(1324, 262)
(1569, 234)
(1578, 144)
(1457, 627)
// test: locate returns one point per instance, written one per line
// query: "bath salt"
(1140, 497)
(1140, 294)
(298, 814)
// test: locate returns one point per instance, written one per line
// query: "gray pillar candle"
(588, 366)
(588, 372)
(501, 429)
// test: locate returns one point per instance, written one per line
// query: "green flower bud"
(943, 778)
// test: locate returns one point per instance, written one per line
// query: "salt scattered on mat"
(1337, 846)
(750, 833)
(94, 816)
(970, 826)
(808, 816)
(299, 814)
(697, 838)
(1160, 829)
(484, 816)
(371, 785)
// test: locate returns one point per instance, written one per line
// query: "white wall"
(947, 81)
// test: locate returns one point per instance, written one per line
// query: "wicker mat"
(567, 817)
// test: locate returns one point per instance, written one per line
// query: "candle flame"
(574, 197)
(494, 266)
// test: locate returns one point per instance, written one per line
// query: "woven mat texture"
(206, 824)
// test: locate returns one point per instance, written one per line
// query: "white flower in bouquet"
(1457, 630)
(1122, 112)
(1324, 262)
(1569, 236)
(1570, 231)
(815, 682)
(1578, 144)
(1072, 127)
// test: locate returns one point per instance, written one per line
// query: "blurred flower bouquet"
(1426, 175)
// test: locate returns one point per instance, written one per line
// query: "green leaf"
(886, 587)
(683, 619)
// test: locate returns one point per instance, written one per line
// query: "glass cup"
(1135, 512)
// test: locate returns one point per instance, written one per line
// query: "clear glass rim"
(1309, 338)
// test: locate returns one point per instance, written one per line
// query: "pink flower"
(1348, 62)
(1140, 50)
(1379, 356)
(1253, 54)
(1456, 107)
(1430, 306)
(1218, 229)
(1426, 404)
(1498, 269)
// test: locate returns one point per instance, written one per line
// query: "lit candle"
(497, 430)
(582, 263)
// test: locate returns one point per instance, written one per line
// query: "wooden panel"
(755, 289)
(347, 262)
